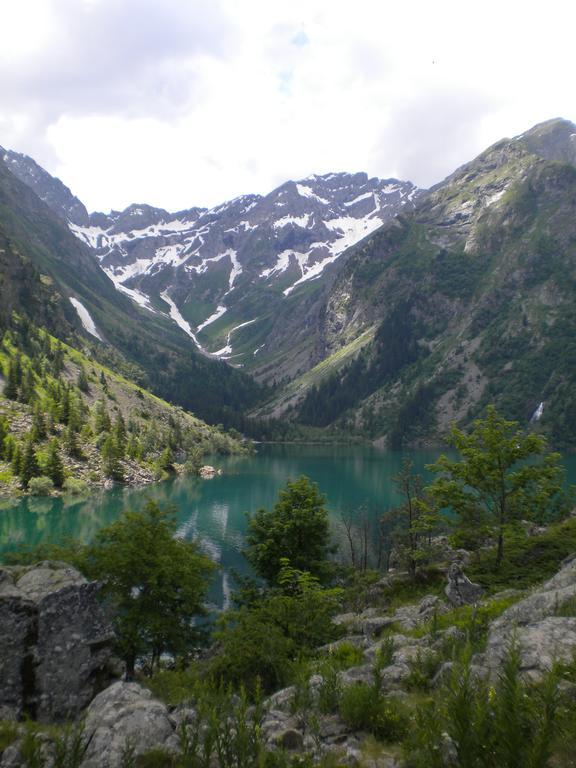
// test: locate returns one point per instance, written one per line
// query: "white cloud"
(190, 102)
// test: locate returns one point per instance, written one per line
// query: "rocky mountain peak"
(48, 188)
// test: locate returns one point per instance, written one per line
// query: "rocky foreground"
(57, 665)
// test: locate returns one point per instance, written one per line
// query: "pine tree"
(4, 429)
(28, 386)
(16, 459)
(166, 460)
(110, 461)
(72, 444)
(28, 464)
(74, 414)
(120, 435)
(101, 419)
(58, 359)
(38, 424)
(64, 408)
(83, 383)
(11, 388)
(54, 468)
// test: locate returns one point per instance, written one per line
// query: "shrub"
(507, 725)
(346, 655)
(41, 486)
(8, 735)
(422, 670)
(330, 690)
(75, 486)
(156, 758)
(364, 709)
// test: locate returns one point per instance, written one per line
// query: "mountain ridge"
(208, 268)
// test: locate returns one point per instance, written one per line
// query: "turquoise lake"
(214, 511)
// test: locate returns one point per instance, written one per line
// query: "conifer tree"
(27, 387)
(11, 388)
(4, 429)
(72, 444)
(166, 460)
(120, 435)
(58, 359)
(38, 424)
(54, 468)
(101, 418)
(110, 461)
(16, 458)
(28, 464)
(83, 383)
(64, 407)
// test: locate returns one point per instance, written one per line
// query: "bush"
(346, 655)
(75, 486)
(422, 670)
(156, 758)
(41, 486)
(509, 724)
(364, 709)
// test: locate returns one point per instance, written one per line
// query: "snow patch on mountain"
(176, 315)
(305, 191)
(85, 318)
(212, 319)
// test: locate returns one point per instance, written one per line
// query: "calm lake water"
(214, 510)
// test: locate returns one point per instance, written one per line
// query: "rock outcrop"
(460, 590)
(540, 624)
(125, 717)
(55, 644)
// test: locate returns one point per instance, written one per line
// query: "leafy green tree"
(262, 640)
(28, 464)
(503, 475)
(54, 467)
(413, 521)
(297, 529)
(156, 582)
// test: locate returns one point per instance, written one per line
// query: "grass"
(528, 560)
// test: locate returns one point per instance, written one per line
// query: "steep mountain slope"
(54, 279)
(469, 300)
(235, 277)
(104, 426)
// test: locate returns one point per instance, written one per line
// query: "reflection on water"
(214, 511)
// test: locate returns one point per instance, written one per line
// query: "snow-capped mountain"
(223, 274)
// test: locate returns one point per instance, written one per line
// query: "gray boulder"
(124, 717)
(460, 590)
(540, 624)
(55, 642)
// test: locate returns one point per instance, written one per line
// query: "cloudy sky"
(191, 102)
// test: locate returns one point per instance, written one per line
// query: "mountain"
(374, 308)
(55, 280)
(465, 301)
(233, 277)
(52, 191)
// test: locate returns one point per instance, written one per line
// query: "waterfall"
(537, 415)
